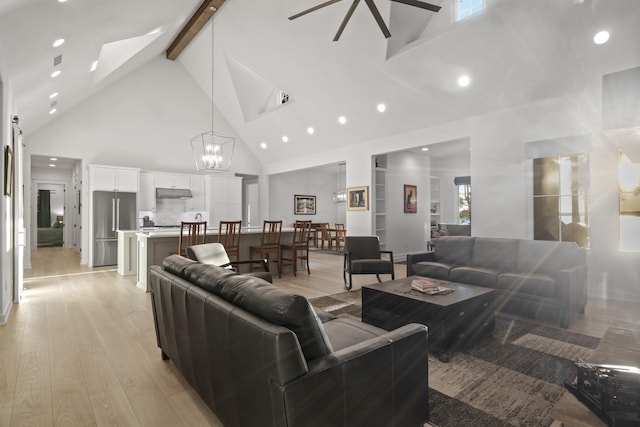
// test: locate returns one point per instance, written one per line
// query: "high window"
(561, 199)
(465, 8)
(629, 194)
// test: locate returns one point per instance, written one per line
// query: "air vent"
(57, 60)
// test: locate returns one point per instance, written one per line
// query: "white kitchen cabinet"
(147, 195)
(127, 252)
(197, 187)
(172, 181)
(226, 199)
(110, 178)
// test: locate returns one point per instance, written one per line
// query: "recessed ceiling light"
(94, 65)
(58, 42)
(425, 149)
(601, 37)
(464, 81)
(53, 95)
(310, 130)
(382, 107)
(61, 1)
(53, 111)
(285, 138)
(342, 120)
(53, 159)
(52, 165)
(263, 145)
(56, 73)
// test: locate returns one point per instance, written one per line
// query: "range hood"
(173, 193)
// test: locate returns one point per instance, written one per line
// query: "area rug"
(513, 378)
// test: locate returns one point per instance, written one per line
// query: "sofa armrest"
(389, 253)
(416, 258)
(380, 381)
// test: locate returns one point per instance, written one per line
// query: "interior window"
(629, 194)
(465, 8)
(464, 203)
(561, 199)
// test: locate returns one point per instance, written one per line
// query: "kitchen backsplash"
(170, 212)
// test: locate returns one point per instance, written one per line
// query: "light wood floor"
(80, 349)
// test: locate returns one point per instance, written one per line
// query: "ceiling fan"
(372, 8)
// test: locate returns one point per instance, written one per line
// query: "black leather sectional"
(260, 356)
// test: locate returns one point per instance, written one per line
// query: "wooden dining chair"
(299, 247)
(326, 235)
(341, 233)
(269, 248)
(191, 233)
(229, 235)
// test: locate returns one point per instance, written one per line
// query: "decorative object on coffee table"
(456, 319)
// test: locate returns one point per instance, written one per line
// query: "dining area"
(323, 234)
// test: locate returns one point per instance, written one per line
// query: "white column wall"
(407, 232)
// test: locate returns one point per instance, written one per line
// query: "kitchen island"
(155, 244)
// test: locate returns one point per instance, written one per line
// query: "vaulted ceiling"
(515, 52)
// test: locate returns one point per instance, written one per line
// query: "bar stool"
(229, 236)
(191, 233)
(299, 247)
(325, 235)
(270, 244)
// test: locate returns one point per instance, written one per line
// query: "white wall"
(502, 181)
(144, 120)
(9, 254)
(406, 232)
(321, 183)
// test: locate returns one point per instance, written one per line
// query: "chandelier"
(212, 152)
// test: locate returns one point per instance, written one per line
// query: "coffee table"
(454, 320)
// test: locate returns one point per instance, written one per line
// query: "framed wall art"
(410, 198)
(304, 205)
(358, 198)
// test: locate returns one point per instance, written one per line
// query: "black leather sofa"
(260, 356)
(533, 278)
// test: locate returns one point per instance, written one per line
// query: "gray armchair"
(215, 254)
(362, 255)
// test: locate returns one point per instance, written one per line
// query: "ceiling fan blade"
(313, 9)
(346, 20)
(420, 4)
(378, 17)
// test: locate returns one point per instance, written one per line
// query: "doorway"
(50, 215)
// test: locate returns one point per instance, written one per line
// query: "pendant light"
(213, 152)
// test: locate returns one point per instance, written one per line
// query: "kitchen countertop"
(174, 232)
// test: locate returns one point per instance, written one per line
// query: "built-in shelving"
(380, 197)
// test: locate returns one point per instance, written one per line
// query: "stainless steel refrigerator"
(112, 211)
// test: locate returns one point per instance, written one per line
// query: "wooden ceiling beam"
(193, 27)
